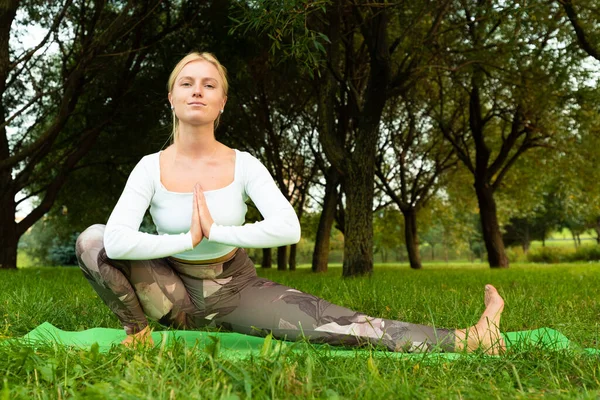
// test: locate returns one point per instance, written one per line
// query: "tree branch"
(582, 37)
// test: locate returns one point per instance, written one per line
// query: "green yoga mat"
(235, 345)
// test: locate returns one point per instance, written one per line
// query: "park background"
(399, 132)
(421, 143)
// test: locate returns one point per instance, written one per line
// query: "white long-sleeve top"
(172, 214)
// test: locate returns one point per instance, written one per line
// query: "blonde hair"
(195, 56)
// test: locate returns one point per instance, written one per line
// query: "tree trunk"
(361, 120)
(292, 258)
(267, 258)
(544, 238)
(282, 258)
(574, 235)
(526, 239)
(358, 235)
(9, 237)
(412, 240)
(321, 250)
(492, 236)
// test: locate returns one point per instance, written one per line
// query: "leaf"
(319, 46)
(94, 351)
(372, 366)
(324, 37)
(5, 395)
(266, 348)
(212, 349)
(331, 394)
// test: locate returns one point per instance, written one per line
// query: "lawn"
(564, 297)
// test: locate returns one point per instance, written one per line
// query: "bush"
(555, 255)
(550, 255)
(63, 253)
(587, 253)
(515, 254)
(48, 245)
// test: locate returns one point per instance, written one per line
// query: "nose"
(197, 91)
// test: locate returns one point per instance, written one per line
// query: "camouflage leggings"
(232, 297)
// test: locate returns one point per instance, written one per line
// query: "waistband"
(217, 260)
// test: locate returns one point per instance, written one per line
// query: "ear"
(170, 98)
(224, 102)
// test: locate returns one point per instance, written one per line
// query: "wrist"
(211, 229)
(206, 229)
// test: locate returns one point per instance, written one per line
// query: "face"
(197, 93)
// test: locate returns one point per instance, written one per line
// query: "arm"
(280, 226)
(122, 238)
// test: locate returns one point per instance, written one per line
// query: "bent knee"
(92, 237)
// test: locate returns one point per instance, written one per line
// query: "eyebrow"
(192, 78)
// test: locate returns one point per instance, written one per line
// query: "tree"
(269, 107)
(514, 93)
(368, 58)
(410, 164)
(585, 26)
(388, 231)
(45, 129)
(330, 206)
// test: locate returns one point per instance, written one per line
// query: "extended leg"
(485, 335)
(264, 306)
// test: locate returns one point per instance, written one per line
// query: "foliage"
(388, 232)
(555, 255)
(522, 58)
(286, 25)
(50, 242)
(60, 95)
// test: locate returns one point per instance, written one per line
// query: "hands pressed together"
(201, 218)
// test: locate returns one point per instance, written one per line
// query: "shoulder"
(253, 172)
(149, 158)
(149, 162)
(146, 169)
(247, 160)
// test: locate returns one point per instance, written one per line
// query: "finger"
(196, 211)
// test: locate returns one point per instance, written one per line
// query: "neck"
(196, 141)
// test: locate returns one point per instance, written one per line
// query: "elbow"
(112, 251)
(286, 229)
(296, 238)
(112, 246)
(111, 255)
(295, 231)
(297, 235)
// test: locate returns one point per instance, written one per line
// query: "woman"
(195, 273)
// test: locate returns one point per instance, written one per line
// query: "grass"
(564, 297)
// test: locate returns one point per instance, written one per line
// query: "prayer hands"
(201, 218)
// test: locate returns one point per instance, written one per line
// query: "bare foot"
(485, 334)
(142, 338)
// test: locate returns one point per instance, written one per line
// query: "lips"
(196, 103)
